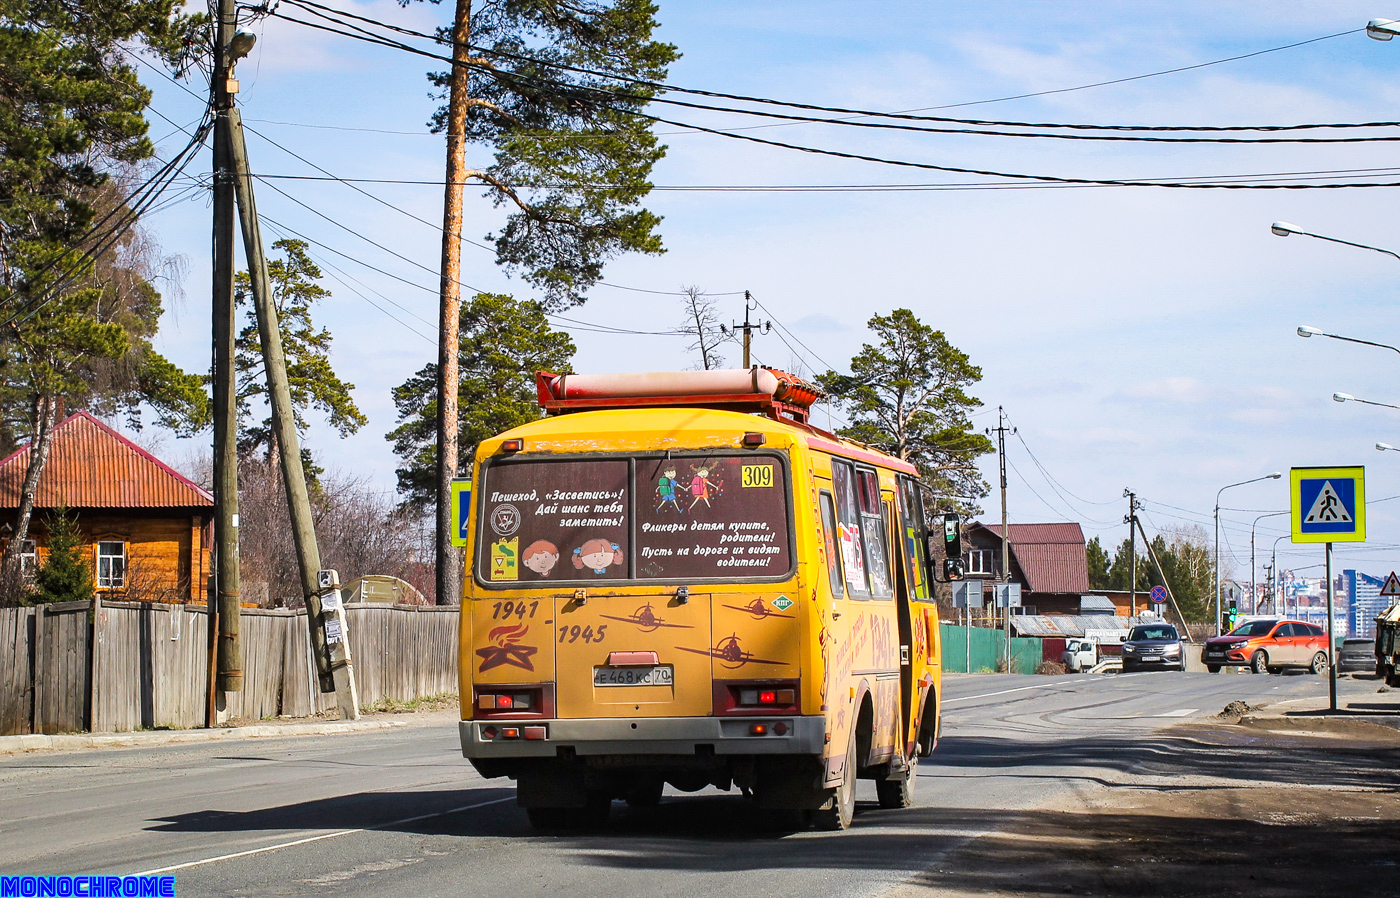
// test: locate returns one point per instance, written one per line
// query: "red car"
(1268, 646)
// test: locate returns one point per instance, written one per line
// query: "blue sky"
(1137, 338)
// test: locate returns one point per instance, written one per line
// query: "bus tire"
(928, 727)
(839, 810)
(897, 791)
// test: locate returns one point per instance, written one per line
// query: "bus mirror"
(952, 536)
(953, 569)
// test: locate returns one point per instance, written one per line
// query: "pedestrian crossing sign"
(1329, 505)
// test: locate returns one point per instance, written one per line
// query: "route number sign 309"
(756, 476)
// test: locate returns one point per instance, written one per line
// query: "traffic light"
(952, 536)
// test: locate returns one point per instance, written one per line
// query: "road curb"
(10, 744)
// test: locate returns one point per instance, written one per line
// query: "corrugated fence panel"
(16, 675)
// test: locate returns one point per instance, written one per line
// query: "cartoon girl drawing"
(666, 490)
(540, 556)
(596, 555)
(701, 487)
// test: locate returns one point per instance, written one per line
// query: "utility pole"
(1152, 553)
(750, 328)
(224, 615)
(330, 644)
(1131, 521)
(1001, 430)
(449, 558)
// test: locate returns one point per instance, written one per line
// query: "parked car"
(1356, 655)
(1268, 646)
(1153, 646)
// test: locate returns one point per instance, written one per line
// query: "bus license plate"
(659, 675)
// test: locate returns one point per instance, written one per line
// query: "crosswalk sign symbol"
(1392, 585)
(1329, 505)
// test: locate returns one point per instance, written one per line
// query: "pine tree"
(65, 576)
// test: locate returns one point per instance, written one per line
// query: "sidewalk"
(265, 730)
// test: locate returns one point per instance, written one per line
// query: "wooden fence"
(148, 665)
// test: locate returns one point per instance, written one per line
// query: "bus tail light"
(756, 697)
(533, 700)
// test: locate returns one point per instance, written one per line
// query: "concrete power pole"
(1131, 521)
(330, 643)
(1001, 431)
(224, 615)
(449, 560)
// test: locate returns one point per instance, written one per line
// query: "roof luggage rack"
(757, 390)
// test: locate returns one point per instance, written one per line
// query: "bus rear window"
(680, 518)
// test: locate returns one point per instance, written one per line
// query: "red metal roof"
(90, 465)
(1050, 555)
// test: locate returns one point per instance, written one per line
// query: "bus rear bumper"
(646, 736)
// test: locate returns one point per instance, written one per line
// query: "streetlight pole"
(1306, 331)
(1273, 586)
(1253, 581)
(1286, 229)
(1347, 397)
(1274, 476)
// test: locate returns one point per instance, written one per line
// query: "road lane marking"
(1179, 712)
(343, 832)
(968, 698)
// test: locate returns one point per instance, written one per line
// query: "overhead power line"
(321, 11)
(607, 97)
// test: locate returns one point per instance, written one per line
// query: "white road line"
(1179, 712)
(968, 698)
(343, 832)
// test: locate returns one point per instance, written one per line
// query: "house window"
(979, 561)
(29, 558)
(111, 565)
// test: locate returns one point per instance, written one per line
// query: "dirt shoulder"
(1283, 803)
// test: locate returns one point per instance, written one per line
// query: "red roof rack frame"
(758, 390)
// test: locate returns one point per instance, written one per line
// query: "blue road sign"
(1159, 594)
(1328, 505)
(461, 511)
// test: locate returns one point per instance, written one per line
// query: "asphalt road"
(400, 812)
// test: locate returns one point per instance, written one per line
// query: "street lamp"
(1382, 29)
(1384, 446)
(1274, 476)
(1288, 229)
(1347, 397)
(1305, 331)
(1253, 581)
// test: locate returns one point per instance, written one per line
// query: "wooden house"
(1048, 560)
(146, 528)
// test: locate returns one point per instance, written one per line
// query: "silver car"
(1153, 646)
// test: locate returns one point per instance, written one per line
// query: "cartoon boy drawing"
(701, 487)
(540, 556)
(596, 555)
(666, 489)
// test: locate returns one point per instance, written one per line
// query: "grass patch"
(439, 702)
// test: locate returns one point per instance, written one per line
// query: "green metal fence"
(987, 647)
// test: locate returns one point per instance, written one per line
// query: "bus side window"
(833, 552)
(850, 535)
(874, 527)
(911, 532)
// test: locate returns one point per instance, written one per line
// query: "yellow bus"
(677, 579)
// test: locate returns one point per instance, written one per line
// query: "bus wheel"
(840, 809)
(897, 790)
(928, 726)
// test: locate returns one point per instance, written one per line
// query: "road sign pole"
(1331, 639)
